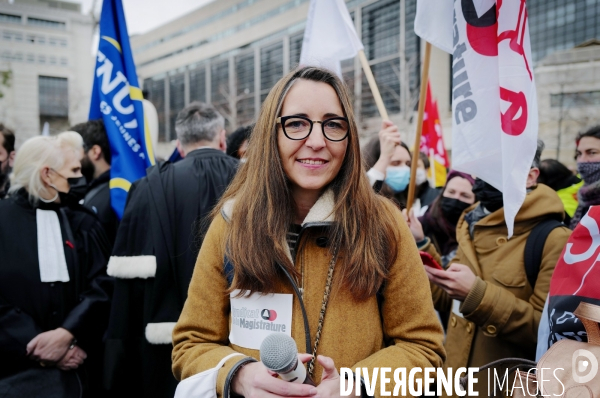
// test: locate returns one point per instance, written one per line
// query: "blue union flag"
(117, 99)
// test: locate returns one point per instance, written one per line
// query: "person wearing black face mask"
(435, 231)
(7, 157)
(95, 167)
(76, 191)
(54, 290)
(588, 166)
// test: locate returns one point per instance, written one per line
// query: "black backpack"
(534, 247)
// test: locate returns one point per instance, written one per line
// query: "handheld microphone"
(278, 352)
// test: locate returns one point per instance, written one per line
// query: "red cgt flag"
(432, 141)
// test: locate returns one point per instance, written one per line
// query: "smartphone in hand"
(429, 261)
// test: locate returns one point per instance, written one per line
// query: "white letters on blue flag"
(117, 99)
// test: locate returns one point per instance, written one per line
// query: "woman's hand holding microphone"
(255, 380)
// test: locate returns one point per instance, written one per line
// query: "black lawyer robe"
(97, 199)
(153, 259)
(29, 306)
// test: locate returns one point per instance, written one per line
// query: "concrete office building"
(47, 65)
(566, 53)
(568, 86)
(231, 52)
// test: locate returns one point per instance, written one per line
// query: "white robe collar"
(51, 251)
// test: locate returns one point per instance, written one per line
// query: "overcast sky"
(145, 15)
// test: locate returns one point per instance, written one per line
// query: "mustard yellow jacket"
(407, 334)
(500, 316)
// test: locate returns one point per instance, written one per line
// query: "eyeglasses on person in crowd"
(299, 127)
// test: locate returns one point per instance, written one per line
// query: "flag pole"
(422, 99)
(373, 85)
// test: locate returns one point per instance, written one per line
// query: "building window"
(52, 60)
(10, 18)
(381, 38)
(52, 41)
(381, 29)
(53, 94)
(176, 100)
(42, 59)
(155, 88)
(198, 84)
(575, 100)
(64, 61)
(30, 58)
(295, 49)
(244, 77)
(555, 26)
(18, 37)
(412, 54)
(46, 23)
(219, 89)
(271, 68)
(6, 35)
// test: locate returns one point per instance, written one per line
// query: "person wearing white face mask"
(388, 161)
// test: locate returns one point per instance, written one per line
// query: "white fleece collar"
(322, 210)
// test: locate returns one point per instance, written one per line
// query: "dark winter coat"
(153, 259)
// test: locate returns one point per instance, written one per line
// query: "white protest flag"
(494, 106)
(330, 36)
(433, 22)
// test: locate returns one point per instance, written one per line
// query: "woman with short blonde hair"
(53, 284)
(39, 154)
(334, 264)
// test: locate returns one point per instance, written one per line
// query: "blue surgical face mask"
(397, 178)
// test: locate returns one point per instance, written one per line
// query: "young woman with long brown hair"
(301, 220)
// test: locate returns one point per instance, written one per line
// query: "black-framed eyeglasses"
(299, 127)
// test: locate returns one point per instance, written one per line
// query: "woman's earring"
(50, 200)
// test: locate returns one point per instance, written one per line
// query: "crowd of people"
(288, 213)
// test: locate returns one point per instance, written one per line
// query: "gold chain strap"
(311, 364)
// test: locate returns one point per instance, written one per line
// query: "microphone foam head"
(278, 352)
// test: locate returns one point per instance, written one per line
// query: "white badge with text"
(257, 316)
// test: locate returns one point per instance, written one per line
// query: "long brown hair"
(264, 207)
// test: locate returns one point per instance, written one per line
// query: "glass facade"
(271, 68)
(381, 39)
(244, 79)
(559, 25)
(53, 96)
(10, 18)
(46, 23)
(220, 93)
(155, 93)
(53, 102)
(176, 99)
(198, 83)
(240, 80)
